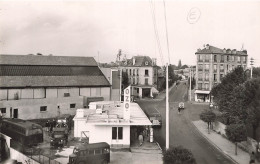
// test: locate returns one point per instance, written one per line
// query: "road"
(182, 131)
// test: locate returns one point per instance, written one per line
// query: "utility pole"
(120, 87)
(251, 63)
(167, 107)
(190, 83)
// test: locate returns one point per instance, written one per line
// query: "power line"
(156, 31)
(166, 30)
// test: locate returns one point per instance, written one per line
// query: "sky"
(100, 28)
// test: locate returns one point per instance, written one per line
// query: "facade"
(213, 64)
(105, 122)
(36, 86)
(113, 75)
(142, 75)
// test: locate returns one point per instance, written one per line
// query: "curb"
(212, 143)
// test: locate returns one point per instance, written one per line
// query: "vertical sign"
(127, 98)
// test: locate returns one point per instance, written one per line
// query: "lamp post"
(167, 108)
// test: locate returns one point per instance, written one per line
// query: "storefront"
(202, 96)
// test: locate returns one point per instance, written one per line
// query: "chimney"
(207, 46)
(133, 60)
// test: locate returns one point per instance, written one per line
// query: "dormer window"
(146, 63)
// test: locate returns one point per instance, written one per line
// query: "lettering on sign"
(127, 103)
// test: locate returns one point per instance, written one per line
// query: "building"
(36, 86)
(104, 122)
(212, 65)
(142, 75)
(113, 75)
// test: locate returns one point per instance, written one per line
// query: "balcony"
(206, 70)
(206, 60)
(146, 75)
(222, 60)
(221, 70)
(200, 69)
(200, 79)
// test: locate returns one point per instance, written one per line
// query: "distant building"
(212, 65)
(36, 86)
(142, 75)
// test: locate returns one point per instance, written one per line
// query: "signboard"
(127, 99)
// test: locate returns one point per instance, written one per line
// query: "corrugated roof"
(52, 81)
(215, 50)
(46, 60)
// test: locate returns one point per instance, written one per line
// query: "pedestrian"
(252, 158)
(141, 139)
(179, 110)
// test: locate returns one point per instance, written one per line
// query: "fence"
(37, 155)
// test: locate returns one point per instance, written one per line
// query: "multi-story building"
(36, 86)
(142, 75)
(212, 65)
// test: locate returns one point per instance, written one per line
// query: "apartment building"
(212, 65)
(36, 86)
(142, 75)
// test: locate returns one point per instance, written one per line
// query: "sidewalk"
(221, 143)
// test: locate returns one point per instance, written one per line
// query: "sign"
(127, 99)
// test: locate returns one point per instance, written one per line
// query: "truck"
(60, 133)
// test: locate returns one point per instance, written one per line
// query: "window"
(117, 133)
(221, 68)
(130, 72)
(207, 67)
(215, 67)
(206, 86)
(98, 151)
(200, 77)
(206, 58)
(43, 108)
(3, 110)
(200, 68)
(137, 90)
(207, 77)
(215, 58)
(146, 81)
(72, 105)
(215, 77)
(222, 58)
(227, 58)
(221, 76)
(200, 58)
(133, 71)
(238, 59)
(133, 80)
(66, 94)
(199, 85)
(146, 72)
(137, 72)
(227, 66)
(91, 152)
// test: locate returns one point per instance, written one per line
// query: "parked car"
(181, 105)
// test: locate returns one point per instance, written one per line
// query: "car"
(181, 105)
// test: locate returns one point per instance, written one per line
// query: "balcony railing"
(221, 70)
(200, 69)
(206, 70)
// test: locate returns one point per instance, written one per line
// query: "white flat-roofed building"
(105, 123)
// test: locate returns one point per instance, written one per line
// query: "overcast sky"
(84, 28)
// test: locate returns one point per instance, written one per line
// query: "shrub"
(178, 155)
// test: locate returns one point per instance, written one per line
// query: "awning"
(202, 92)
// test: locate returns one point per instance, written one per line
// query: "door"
(15, 113)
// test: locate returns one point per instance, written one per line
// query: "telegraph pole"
(167, 107)
(190, 83)
(251, 63)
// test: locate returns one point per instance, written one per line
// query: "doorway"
(15, 113)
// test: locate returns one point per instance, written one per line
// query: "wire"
(156, 31)
(166, 30)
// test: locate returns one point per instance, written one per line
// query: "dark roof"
(46, 60)
(140, 61)
(53, 81)
(215, 50)
(21, 123)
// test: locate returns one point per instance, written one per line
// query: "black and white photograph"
(129, 82)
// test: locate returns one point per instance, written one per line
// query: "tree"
(236, 133)
(208, 116)
(223, 92)
(184, 66)
(179, 64)
(178, 155)
(256, 72)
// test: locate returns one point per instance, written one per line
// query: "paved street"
(182, 131)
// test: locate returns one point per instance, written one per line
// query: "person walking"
(179, 110)
(141, 139)
(252, 158)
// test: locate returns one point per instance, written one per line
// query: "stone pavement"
(223, 144)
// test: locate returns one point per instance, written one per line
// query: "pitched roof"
(215, 50)
(52, 81)
(46, 60)
(140, 61)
